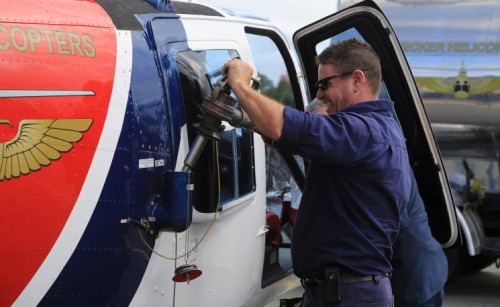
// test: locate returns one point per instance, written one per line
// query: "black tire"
(473, 264)
(460, 263)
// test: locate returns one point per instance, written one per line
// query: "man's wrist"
(242, 90)
(239, 86)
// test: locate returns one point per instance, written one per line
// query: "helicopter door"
(366, 22)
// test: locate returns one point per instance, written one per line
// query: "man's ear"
(358, 76)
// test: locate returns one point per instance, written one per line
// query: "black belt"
(346, 278)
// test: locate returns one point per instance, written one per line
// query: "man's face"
(335, 88)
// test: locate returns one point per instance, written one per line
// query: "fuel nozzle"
(218, 106)
(221, 105)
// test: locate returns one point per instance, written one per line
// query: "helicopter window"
(272, 70)
(225, 170)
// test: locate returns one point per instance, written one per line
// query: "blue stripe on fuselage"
(110, 260)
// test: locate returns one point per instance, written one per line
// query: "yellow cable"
(209, 225)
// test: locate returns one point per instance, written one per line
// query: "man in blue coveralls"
(358, 179)
(419, 265)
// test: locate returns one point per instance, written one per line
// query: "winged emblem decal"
(37, 143)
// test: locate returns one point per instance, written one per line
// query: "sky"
(469, 25)
(288, 15)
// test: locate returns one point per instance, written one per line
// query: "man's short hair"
(351, 54)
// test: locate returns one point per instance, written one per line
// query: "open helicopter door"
(367, 22)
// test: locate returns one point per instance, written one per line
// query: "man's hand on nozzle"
(239, 74)
(265, 113)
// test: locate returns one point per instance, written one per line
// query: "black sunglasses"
(323, 83)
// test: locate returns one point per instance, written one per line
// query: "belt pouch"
(333, 285)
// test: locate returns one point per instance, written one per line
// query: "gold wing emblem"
(37, 143)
